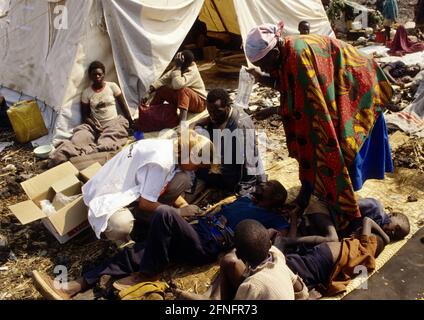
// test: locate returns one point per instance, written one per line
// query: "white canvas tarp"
(135, 39)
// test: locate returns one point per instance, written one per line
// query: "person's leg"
(172, 238)
(190, 100)
(81, 143)
(232, 270)
(175, 188)
(114, 135)
(165, 94)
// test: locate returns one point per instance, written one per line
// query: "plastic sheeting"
(250, 13)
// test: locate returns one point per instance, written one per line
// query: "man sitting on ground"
(152, 172)
(240, 163)
(103, 129)
(172, 238)
(182, 86)
(255, 270)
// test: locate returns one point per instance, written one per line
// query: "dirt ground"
(25, 248)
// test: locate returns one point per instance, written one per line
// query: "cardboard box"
(69, 220)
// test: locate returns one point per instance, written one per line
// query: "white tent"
(46, 45)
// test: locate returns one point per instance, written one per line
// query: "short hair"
(219, 94)
(278, 194)
(96, 65)
(252, 241)
(303, 22)
(188, 57)
(404, 226)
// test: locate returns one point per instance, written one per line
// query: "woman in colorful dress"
(332, 100)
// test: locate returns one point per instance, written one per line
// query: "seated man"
(330, 266)
(233, 130)
(304, 27)
(146, 171)
(318, 223)
(172, 238)
(102, 129)
(182, 86)
(255, 270)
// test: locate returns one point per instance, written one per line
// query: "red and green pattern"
(331, 98)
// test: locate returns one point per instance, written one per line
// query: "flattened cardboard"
(90, 172)
(27, 212)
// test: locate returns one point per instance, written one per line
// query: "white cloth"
(103, 102)
(142, 169)
(272, 280)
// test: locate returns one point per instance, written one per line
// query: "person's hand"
(189, 211)
(179, 59)
(255, 72)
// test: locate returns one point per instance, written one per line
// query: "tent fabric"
(145, 36)
(254, 12)
(135, 39)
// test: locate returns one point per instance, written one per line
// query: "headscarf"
(262, 39)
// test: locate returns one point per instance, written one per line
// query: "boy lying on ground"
(172, 239)
(330, 266)
(317, 223)
(255, 270)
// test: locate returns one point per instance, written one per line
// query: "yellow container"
(27, 121)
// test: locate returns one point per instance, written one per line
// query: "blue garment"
(371, 208)
(375, 157)
(243, 208)
(390, 10)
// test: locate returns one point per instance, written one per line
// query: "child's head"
(270, 194)
(96, 71)
(398, 228)
(188, 58)
(252, 242)
(304, 27)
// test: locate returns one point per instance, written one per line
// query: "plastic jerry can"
(27, 121)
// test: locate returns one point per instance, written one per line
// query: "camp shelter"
(47, 45)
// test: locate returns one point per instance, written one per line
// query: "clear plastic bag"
(60, 200)
(47, 207)
(245, 87)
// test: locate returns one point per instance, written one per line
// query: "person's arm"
(369, 225)
(330, 234)
(389, 76)
(124, 107)
(147, 206)
(180, 202)
(85, 111)
(263, 79)
(180, 79)
(162, 81)
(183, 114)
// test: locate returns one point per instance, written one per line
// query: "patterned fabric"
(331, 98)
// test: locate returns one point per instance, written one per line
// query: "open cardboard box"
(67, 221)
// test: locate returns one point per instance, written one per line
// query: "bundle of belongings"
(402, 45)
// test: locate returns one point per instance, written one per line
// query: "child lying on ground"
(330, 266)
(255, 270)
(318, 224)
